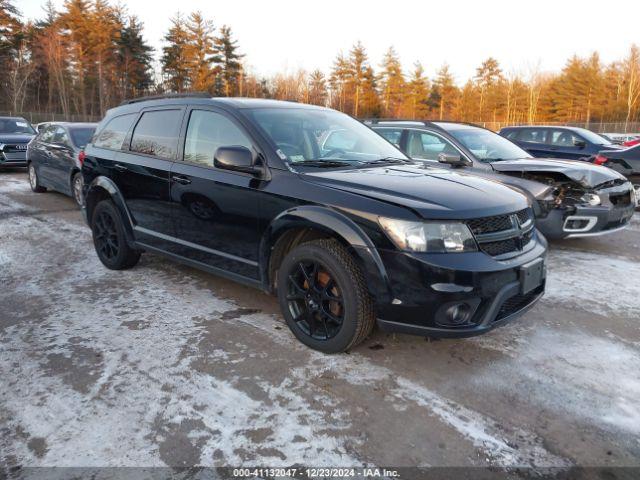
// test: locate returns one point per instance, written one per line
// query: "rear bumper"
(425, 287)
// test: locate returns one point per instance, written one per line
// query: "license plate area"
(531, 275)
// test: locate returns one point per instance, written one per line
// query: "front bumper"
(424, 287)
(13, 159)
(587, 220)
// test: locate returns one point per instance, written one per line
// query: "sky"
(285, 35)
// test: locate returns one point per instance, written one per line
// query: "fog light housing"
(458, 314)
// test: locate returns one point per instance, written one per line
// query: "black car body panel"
(555, 187)
(15, 134)
(54, 153)
(625, 161)
(237, 224)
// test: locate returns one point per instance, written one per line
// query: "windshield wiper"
(389, 160)
(322, 163)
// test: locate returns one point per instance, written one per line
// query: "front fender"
(337, 225)
(96, 191)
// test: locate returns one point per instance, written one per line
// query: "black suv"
(347, 235)
(570, 198)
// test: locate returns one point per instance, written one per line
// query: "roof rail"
(168, 95)
(374, 121)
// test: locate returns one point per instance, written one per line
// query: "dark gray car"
(54, 158)
(570, 198)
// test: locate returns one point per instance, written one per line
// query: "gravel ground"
(164, 365)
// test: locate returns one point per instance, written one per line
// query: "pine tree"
(199, 52)
(317, 87)
(227, 59)
(392, 84)
(338, 82)
(175, 63)
(134, 60)
(444, 92)
(488, 77)
(417, 94)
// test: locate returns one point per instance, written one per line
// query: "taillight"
(600, 159)
(81, 156)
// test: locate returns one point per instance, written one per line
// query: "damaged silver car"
(570, 198)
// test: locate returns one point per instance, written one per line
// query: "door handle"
(181, 179)
(120, 168)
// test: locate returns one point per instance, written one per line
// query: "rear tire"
(77, 183)
(34, 181)
(324, 298)
(109, 238)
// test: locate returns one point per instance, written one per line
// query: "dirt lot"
(165, 365)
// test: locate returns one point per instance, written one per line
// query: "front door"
(562, 144)
(216, 211)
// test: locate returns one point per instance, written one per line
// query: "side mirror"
(453, 159)
(236, 158)
(579, 143)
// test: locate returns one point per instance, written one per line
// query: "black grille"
(498, 223)
(501, 223)
(516, 303)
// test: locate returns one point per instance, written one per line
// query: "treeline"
(91, 55)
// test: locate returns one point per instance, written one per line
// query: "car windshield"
(323, 138)
(486, 145)
(81, 136)
(591, 137)
(16, 126)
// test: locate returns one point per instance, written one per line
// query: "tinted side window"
(208, 131)
(563, 138)
(532, 135)
(157, 133)
(114, 132)
(60, 136)
(427, 146)
(46, 134)
(391, 134)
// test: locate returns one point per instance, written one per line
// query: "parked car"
(344, 236)
(15, 134)
(55, 156)
(570, 198)
(622, 138)
(625, 161)
(570, 143)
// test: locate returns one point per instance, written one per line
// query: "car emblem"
(21, 147)
(519, 240)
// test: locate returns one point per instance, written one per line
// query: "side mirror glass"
(453, 159)
(579, 143)
(236, 158)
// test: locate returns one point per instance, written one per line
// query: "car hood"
(15, 138)
(586, 174)
(430, 192)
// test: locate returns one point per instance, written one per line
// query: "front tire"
(34, 181)
(109, 238)
(324, 298)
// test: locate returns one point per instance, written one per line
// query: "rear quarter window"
(114, 132)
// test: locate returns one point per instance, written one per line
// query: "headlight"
(429, 237)
(591, 198)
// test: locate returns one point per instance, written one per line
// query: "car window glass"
(207, 131)
(564, 138)
(15, 126)
(60, 136)
(81, 136)
(46, 134)
(427, 146)
(157, 133)
(113, 134)
(391, 134)
(531, 135)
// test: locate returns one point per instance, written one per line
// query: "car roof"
(72, 124)
(565, 127)
(14, 118)
(135, 105)
(438, 124)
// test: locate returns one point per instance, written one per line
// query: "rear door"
(215, 211)
(142, 172)
(61, 160)
(533, 140)
(39, 154)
